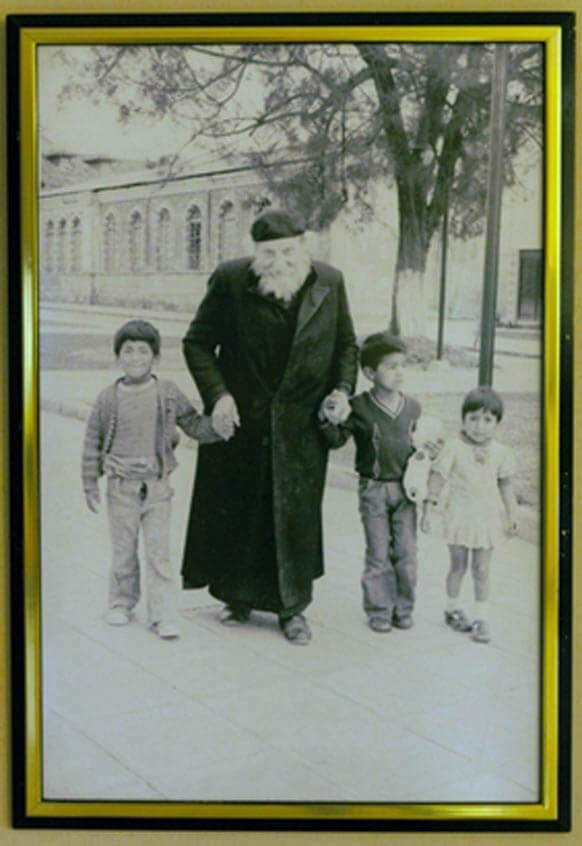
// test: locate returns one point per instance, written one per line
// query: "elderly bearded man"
(271, 340)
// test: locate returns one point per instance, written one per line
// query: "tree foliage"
(348, 113)
(414, 115)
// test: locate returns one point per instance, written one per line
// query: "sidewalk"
(225, 714)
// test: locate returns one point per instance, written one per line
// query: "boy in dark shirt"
(381, 423)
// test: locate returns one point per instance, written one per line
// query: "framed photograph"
(336, 251)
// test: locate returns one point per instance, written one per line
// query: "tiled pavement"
(423, 715)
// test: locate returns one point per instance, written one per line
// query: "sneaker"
(380, 624)
(166, 630)
(296, 630)
(458, 621)
(233, 615)
(480, 632)
(403, 620)
(118, 616)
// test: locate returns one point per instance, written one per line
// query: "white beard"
(283, 285)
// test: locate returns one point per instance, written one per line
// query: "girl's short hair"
(483, 398)
(376, 346)
(137, 330)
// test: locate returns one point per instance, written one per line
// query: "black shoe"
(296, 630)
(233, 615)
(403, 620)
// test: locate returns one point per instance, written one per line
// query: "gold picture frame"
(27, 34)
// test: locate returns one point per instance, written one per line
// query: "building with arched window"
(148, 239)
(193, 238)
(110, 239)
(163, 233)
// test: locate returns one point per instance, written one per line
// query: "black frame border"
(14, 24)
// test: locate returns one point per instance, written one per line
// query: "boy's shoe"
(166, 629)
(458, 621)
(232, 615)
(118, 616)
(296, 630)
(380, 624)
(480, 632)
(403, 620)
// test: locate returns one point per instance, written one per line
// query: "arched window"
(110, 243)
(163, 241)
(62, 246)
(136, 242)
(226, 231)
(193, 238)
(49, 246)
(76, 245)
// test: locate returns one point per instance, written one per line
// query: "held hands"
(93, 501)
(335, 408)
(225, 417)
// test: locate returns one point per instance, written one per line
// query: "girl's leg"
(459, 557)
(454, 616)
(480, 568)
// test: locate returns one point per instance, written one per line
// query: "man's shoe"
(458, 621)
(233, 615)
(166, 630)
(296, 630)
(118, 616)
(380, 624)
(480, 632)
(403, 620)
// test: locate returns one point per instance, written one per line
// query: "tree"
(342, 116)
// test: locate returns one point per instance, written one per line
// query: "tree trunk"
(408, 315)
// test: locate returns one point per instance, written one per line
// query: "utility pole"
(494, 191)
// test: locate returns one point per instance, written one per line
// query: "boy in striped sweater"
(130, 438)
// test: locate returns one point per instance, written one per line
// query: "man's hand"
(335, 407)
(225, 417)
(93, 501)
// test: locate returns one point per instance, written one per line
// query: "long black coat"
(255, 531)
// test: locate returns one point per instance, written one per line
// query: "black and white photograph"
(313, 275)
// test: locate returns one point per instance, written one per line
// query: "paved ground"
(239, 714)
(223, 714)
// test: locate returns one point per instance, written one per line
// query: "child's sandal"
(457, 621)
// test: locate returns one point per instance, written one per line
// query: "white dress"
(473, 508)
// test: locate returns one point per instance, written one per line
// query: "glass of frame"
(131, 178)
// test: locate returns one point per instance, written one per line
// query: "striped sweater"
(174, 409)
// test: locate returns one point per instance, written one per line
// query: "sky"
(89, 129)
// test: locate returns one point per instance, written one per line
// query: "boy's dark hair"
(484, 398)
(376, 346)
(137, 330)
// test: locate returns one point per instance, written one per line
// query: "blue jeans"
(389, 520)
(135, 505)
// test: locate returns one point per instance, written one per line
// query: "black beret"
(276, 224)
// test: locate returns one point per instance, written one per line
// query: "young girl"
(479, 473)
